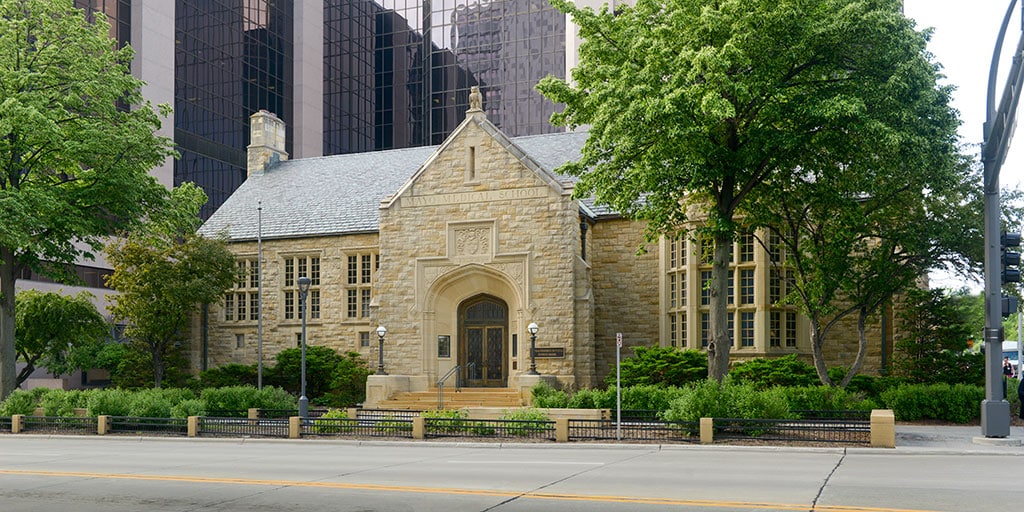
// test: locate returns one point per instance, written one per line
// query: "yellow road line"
(457, 491)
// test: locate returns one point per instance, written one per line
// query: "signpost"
(618, 386)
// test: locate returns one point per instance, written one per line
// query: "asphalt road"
(85, 474)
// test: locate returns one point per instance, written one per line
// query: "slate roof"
(341, 194)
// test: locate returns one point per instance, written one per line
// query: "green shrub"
(913, 402)
(764, 373)
(62, 402)
(232, 374)
(150, 403)
(666, 366)
(18, 402)
(826, 398)
(455, 426)
(186, 408)
(391, 423)
(274, 398)
(110, 402)
(235, 400)
(709, 399)
(547, 397)
(348, 382)
(333, 427)
(647, 397)
(530, 420)
(593, 399)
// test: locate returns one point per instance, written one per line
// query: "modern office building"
(346, 76)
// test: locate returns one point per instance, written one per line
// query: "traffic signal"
(1010, 259)
(1010, 305)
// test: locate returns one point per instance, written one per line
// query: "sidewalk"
(956, 439)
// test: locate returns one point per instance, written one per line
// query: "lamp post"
(303, 401)
(533, 348)
(381, 331)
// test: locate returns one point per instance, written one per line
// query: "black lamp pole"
(381, 331)
(303, 291)
(533, 348)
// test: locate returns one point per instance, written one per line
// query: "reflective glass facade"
(411, 64)
(119, 15)
(232, 58)
(396, 73)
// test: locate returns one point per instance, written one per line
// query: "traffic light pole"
(998, 130)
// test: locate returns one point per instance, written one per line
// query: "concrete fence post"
(707, 430)
(562, 430)
(883, 428)
(294, 427)
(102, 425)
(419, 427)
(193, 426)
(17, 423)
(353, 413)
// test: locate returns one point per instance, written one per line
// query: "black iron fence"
(60, 424)
(243, 427)
(370, 423)
(148, 426)
(821, 431)
(359, 427)
(504, 429)
(607, 430)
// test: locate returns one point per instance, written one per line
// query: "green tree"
(58, 332)
(73, 161)
(694, 106)
(852, 238)
(164, 273)
(931, 343)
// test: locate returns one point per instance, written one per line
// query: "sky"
(963, 42)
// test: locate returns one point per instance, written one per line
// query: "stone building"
(456, 249)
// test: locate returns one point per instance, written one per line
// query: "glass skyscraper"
(392, 73)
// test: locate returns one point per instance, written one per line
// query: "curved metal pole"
(998, 130)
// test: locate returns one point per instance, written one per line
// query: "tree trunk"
(862, 348)
(158, 368)
(721, 341)
(819, 359)
(8, 354)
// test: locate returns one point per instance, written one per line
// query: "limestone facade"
(466, 245)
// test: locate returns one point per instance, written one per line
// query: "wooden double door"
(483, 347)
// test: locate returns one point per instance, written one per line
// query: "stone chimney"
(266, 142)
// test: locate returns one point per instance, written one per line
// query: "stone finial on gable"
(266, 142)
(476, 100)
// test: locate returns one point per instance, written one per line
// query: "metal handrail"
(458, 382)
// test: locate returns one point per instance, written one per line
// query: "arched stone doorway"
(483, 341)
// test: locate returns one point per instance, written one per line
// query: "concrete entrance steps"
(466, 397)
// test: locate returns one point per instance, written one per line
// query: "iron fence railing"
(399, 424)
(61, 424)
(459, 427)
(149, 426)
(830, 431)
(813, 414)
(358, 427)
(386, 414)
(235, 427)
(686, 432)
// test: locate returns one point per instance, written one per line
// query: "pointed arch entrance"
(483, 347)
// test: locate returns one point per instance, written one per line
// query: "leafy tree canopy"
(74, 160)
(695, 106)
(164, 273)
(59, 332)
